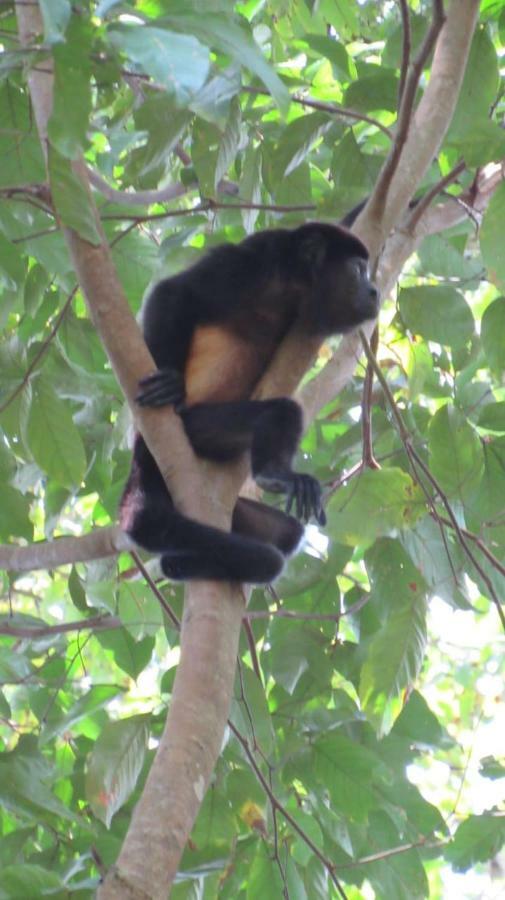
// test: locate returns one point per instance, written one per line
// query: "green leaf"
(295, 188)
(115, 765)
(54, 440)
(402, 875)
(493, 334)
(479, 88)
(438, 313)
(296, 142)
(56, 15)
(419, 725)
(375, 91)
(20, 150)
(350, 773)
(490, 243)
(164, 126)
(14, 514)
(456, 457)
(213, 101)
(491, 768)
(250, 710)
(478, 839)
(484, 143)
(492, 416)
(69, 119)
(12, 265)
(250, 185)
(264, 879)
(98, 696)
(222, 33)
(177, 61)
(229, 143)
(442, 564)
(204, 153)
(139, 609)
(437, 254)
(129, 655)
(71, 198)
(394, 659)
(29, 880)
(342, 64)
(24, 789)
(376, 502)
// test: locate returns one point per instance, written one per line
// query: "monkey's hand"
(164, 387)
(303, 493)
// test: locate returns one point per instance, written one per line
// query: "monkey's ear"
(312, 248)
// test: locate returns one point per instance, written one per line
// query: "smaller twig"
(252, 647)
(480, 544)
(157, 593)
(331, 108)
(406, 48)
(369, 460)
(378, 199)
(420, 208)
(40, 353)
(95, 623)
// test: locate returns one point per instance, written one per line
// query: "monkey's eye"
(361, 268)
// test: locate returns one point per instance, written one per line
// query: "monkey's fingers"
(305, 495)
(163, 388)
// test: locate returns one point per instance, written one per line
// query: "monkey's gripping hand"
(305, 496)
(161, 389)
(303, 492)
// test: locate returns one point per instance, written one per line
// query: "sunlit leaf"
(115, 765)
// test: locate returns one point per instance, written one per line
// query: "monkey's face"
(345, 295)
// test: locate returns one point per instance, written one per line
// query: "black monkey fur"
(212, 331)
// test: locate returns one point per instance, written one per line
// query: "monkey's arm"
(169, 319)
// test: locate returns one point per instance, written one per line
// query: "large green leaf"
(54, 440)
(98, 696)
(438, 313)
(456, 457)
(490, 242)
(478, 839)
(177, 61)
(71, 198)
(223, 34)
(115, 765)
(28, 880)
(56, 16)
(480, 85)
(493, 334)
(69, 121)
(376, 502)
(394, 659)
(350, 773)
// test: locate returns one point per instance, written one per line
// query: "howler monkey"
(212, 331)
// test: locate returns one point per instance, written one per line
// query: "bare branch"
(421, 207)
(428, 126)
(377, 201)
(406, 48)
(64, 550)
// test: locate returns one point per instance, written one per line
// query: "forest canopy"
(360, 757)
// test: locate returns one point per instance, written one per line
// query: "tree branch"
(425, 130)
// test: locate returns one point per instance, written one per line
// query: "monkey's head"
(335, 263)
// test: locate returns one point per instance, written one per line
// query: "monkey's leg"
(190, 549)
(270, 429)
(257, 520)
